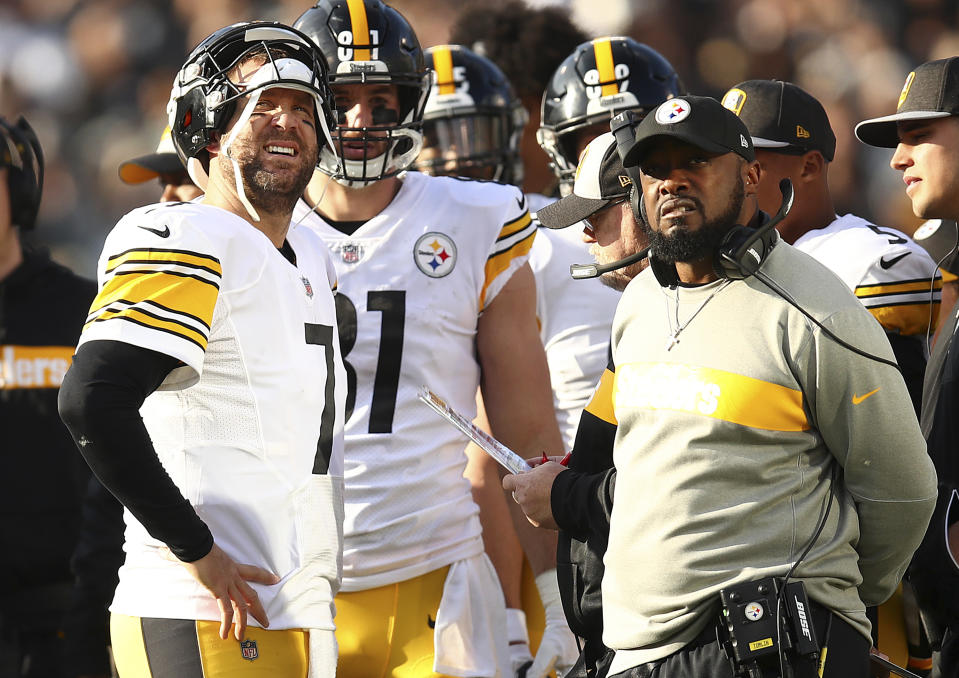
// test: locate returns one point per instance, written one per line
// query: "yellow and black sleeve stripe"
(515, 240)
(167, 290)
(905, 306)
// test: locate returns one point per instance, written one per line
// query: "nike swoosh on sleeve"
(889, 263)
(856, 399)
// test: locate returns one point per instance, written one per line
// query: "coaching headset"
(742, 250)
(21, 154)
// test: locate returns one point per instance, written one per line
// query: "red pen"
(564, 461)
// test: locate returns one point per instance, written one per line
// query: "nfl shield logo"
(248, 647)
(308, 286)
(351, 253)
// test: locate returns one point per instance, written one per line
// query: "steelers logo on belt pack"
(435, 254)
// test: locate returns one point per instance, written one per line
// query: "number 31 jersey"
(251, 427)
(412, 283)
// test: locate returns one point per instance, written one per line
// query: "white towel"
(470, 635)
(322, 654)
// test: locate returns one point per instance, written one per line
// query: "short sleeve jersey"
(413, 282)
(250, 428)
(894, 278)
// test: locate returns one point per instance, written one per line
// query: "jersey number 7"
(322, 335)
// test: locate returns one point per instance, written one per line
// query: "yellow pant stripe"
(262, 654)
(129, 651)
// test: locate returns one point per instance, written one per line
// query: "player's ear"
(751, 175)
(813, 165)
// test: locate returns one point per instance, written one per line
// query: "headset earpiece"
(636, 199)
(740, 254)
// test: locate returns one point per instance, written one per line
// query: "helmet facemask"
(399, 132)
(206, 91)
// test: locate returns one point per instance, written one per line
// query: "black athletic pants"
(847, 655)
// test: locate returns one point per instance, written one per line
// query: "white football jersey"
(575, 318)
(893, 277)
(413, 281)
(251, 427)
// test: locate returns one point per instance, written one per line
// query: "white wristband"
(516, 626)
(548, 586)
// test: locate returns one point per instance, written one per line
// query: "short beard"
(688, 246)
(268, 192)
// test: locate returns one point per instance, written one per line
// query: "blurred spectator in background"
(528, 44)
(42, 308)
(93, 75)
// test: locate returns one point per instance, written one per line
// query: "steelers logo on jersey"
(435, 254)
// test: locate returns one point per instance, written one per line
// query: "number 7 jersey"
(413, 282)
(250, 427)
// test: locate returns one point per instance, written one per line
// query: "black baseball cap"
(782, 117)
(700, 121)
(150, 166)
(600, 181)
(931, 91)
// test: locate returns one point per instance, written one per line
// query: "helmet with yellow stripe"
(598, 80)
(473, 121)
(367, 42)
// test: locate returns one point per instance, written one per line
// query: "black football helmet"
(598, 80)
(369, 42)
(204, 98)
(21, 154)
(473, 119)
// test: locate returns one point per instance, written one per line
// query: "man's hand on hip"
(227, 581)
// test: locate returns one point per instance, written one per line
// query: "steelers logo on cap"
(672, 111)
